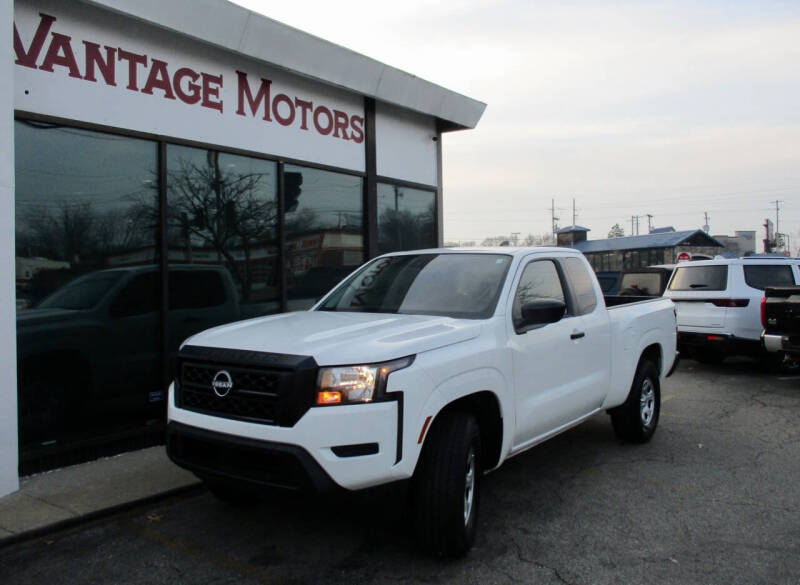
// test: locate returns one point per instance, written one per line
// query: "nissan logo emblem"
(222, 383)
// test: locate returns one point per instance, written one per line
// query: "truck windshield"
(464, 286)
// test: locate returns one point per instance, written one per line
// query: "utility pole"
(777, 215)
(553, 218)
(633, 233)
(574, 214)
(705, 225)
(649, 223)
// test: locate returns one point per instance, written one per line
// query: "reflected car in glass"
(89, 352)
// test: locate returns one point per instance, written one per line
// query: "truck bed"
(613, 301)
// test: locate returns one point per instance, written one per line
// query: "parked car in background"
(780, 312)
(609, 281)
(719, 303)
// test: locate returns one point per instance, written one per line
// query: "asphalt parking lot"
(713, 498)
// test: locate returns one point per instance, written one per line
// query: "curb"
(69, 523)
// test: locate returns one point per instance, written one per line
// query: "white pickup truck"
(432, 366)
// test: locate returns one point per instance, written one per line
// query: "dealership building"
(170, 165)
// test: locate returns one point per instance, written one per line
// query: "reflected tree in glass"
(213, 205)
(86, 225)
(406, 218)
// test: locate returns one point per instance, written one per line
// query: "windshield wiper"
(698, 286)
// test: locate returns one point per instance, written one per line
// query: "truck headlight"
(356, 384)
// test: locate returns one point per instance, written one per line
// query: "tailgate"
(695, 312)
(696, 292)
(782, 311)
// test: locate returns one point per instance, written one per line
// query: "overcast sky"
(632, 108)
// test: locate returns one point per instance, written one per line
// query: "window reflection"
(86, 220)
(406, 218)
(222, 236)
(540, 280)
(324, 231)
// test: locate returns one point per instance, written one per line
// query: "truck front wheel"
(635, 421)
(446, 485)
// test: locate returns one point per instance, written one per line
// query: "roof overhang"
(234, 28)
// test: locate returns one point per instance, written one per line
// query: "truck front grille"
(274, 389)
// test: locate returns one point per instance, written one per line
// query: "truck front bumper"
(218, 456)
(351, 447)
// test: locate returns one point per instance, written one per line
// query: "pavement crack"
(521, 557)
(510, 577)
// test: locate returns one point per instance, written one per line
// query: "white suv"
(719, 303)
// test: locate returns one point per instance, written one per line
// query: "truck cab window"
(195, 289)
(139, 296)
(582, 287)
(539, 280)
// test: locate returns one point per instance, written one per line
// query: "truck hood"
(339, 337)
(47, 316)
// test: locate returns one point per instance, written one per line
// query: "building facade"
(170, 166)
(632, 252)
(741, 243)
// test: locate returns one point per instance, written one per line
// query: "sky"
(672, 109)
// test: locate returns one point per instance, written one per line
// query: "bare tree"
(402, 229)
(616, 231)
(67, 233)
(545, 239)
(223, 209)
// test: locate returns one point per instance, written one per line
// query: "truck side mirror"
(542, 312)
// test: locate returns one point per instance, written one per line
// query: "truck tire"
(783, 363)
(446, 486)
(636, 419)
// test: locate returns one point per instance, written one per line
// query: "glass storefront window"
(324, 231)
(91, 338)
(406, 218)
(88, 341)
(222, 226)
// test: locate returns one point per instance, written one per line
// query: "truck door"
(593, 339)
(544, 357)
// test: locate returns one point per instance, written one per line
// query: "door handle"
(577, 334)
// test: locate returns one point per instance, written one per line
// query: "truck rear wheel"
(446, 486)
(636, 419)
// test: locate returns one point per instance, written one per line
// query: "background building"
(742, 243)
(626, 253)
(173, 168)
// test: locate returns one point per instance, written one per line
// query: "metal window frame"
(369, 203)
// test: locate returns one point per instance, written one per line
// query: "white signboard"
(405, 145)
(82, 63)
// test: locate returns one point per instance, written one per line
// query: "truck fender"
(449, 392)
(623, 377)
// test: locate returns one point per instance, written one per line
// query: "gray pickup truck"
(91, 351)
